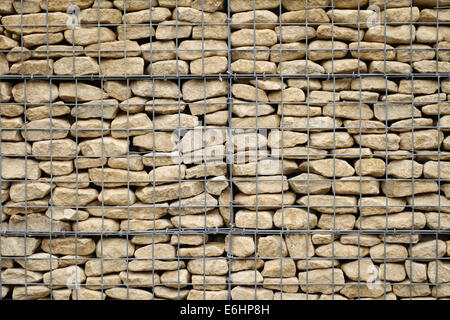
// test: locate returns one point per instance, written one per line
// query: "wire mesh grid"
(213, 149)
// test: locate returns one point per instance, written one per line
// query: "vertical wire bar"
(230, 158)
(180, 129)
(360, 147)
(282, 152)
(204, 144)
(334, 153)
(257, 141)
(412, 143)
(439, 150)
(154, 181)
(127, 136)
(386, 146)
(26, 162)
(308, 236)
(153, 152)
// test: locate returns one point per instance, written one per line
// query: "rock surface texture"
(146, 144)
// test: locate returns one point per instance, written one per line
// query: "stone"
(89, 35)
(35, 22)
(374, 84)
(37, 91)
(30, 293)
(106, 146)
(398, 188)
(66, 214)
(134, 5)
(405, 169)
(420, 86)
(428, 250)
(128, 66)
(289, 33)
(254, 220)
(361, 270)
(279, 268)
(375, 290)
(294, 218)
(402, 34)
(194, 90)
(378, 141)
(389, 67)
(68, 276)
(128, 294)
(299, 246)
(349, 111)
(370, 167)
(248, 293)
(300, 67)
(357, 186)
(271, 247)
(398, 221)
(380, 205)
(267, 201)
(167, 30)
(71, 197)
(372, 51)
(423, 139)
(314, 281)
(329, 203)
(264, 19)
(417, 272)
(69, 246)
(198, 204)
(331, 140)
(340, 222)
(246, 277)
(20, 168)
(76, 65)
(20, 276)
(327, 31)
(316, 15)
(388, 253)
(246, 5)
(266, 184)
(437, 220)
(317, 50)
(176, 279)
(331, 168)
(19, 246)
(310, 184)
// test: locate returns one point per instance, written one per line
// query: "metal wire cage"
(224, 149)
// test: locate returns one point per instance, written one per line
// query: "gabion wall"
(214, 149)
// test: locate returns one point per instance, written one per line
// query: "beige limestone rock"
(37, 91)
(331, 168)
(398, 221)
(266, 184)
(19, 246)
(315, 280)
(326, 31)
(428, 250)
(388, 252)
(254, 220)
(20, 168)
(300, 67)
(246, 5)
(310, 184)
(294, 218)
(329, 203)
(76, 65)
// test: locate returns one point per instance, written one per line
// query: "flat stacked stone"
(171, 133)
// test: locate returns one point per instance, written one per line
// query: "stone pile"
(216, 150)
